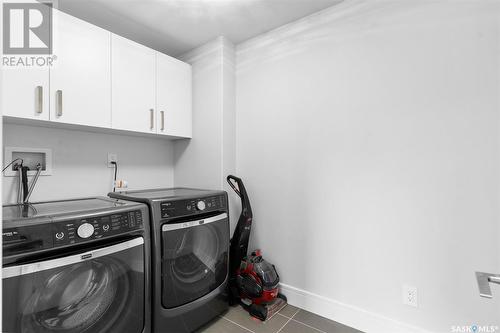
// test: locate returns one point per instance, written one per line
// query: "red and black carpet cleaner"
(253, 282)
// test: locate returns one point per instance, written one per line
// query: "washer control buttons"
(85, 230)
(200, 205)
(105, 227)
(60, 235)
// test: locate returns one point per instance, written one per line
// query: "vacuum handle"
(231, 181)
(238, 187)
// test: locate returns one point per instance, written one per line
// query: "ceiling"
(177, 26)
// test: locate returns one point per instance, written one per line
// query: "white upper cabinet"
(173, 96)
(99, 79)
(133, 88)
(80, 79)
(25, 93)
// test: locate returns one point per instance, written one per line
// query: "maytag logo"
(27, 34)
(86, 256)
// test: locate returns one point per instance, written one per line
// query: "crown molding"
(219, 47)
(307, 23)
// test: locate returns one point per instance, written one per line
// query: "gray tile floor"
(288, 320)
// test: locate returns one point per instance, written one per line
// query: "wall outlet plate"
(112, 157)
(410, 295)
(31, 157)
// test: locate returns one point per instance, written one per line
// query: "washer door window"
(96, 291)
(194, 259)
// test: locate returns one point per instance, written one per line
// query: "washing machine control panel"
(85, 230)
(28, 238)
(75, 231)
(170, 209)
(201, 205)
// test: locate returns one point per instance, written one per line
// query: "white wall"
(229, 130)
(80, 162)
(199, 160)
(368, 137)
(206, 159)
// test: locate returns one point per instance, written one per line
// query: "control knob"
(60, 235)
(200, 205)
(85, 230)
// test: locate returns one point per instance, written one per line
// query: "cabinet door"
(80, 79)
(133, 89)
(173, 96)
(25, 92)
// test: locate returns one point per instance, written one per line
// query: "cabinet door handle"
(162, 120)
(152, 118)
(39, 99)
(59, 108)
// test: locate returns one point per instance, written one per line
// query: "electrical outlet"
(112, 157)
(120, 184)
(410, 295)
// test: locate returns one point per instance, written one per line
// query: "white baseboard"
(349, 315)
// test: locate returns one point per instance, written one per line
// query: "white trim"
(169, 227)
(13, 271)
(201, 52)
(189, 224)
(346, 314)
(337, 11)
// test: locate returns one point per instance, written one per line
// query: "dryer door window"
(194, 259)
(96, 291)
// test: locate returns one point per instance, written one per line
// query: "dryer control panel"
(70, 232)
(178, 208)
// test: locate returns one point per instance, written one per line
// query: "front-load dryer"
(190, 251)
